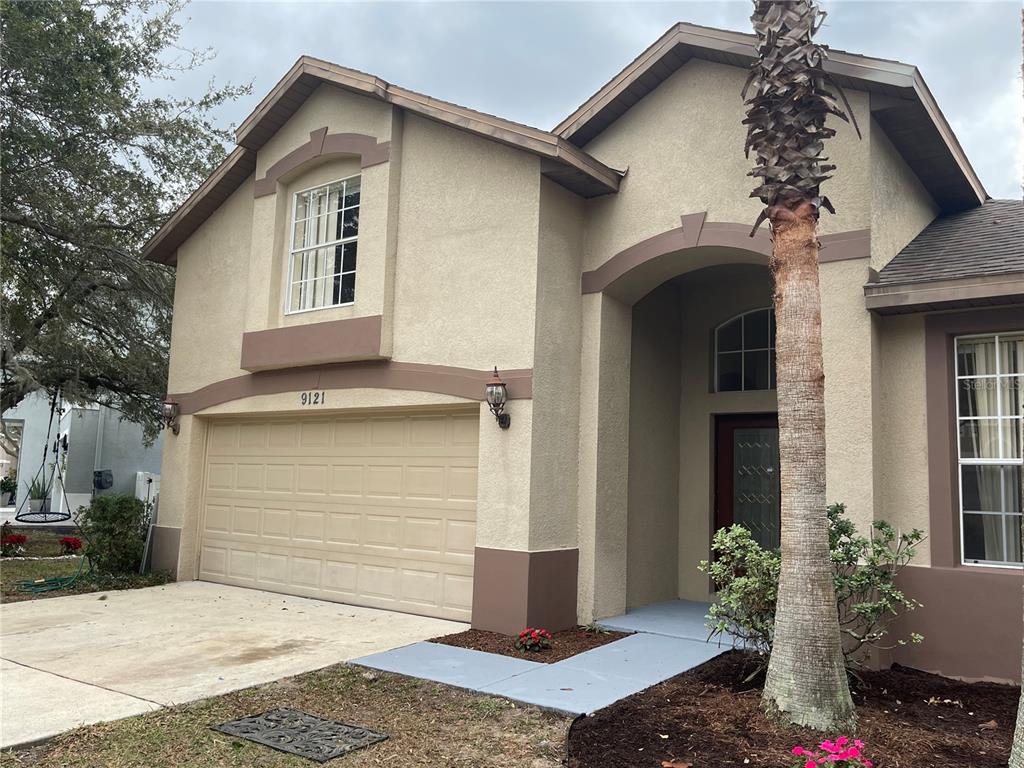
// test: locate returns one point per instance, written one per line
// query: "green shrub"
(114, 527)
(39, 488)
(746, 577)
(865, 568)
(9, 482)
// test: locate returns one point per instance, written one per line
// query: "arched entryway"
(647, 445)
(701, 412)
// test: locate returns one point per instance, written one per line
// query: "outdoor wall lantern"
(171, 412)
(497, 394)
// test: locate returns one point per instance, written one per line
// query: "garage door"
(373, 510)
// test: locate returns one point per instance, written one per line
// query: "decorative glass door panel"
(747, 482)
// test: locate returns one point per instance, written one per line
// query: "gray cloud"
(535, 62)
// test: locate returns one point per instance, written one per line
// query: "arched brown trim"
(321, 143)
(696, 232)
(417, 377)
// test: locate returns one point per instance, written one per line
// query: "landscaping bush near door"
(864, 571)
(114, 527)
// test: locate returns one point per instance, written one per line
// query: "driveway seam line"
(83, 682)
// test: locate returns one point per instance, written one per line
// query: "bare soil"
(564, 644)
(708, 717)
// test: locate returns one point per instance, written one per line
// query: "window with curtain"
(745, 352)
(989, 379)
(325, 233)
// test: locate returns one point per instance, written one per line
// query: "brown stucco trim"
(940, 391)
(943, 294)
(845, 246)
(416, 377)
(695, 232)
(164, 546)
(513, 589)
(355, 338)
(970, 620)
(323, 144)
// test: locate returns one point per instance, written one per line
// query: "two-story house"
(350, 276)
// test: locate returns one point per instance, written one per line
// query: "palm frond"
(789, 97)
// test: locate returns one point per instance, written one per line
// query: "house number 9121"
(313, 398)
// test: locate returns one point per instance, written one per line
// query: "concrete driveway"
(70, 661)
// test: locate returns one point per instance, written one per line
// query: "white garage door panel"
(378, 511)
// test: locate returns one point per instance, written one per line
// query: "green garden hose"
(52, 583)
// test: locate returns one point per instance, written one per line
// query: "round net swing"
(38, 505)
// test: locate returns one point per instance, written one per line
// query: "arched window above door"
(745, 352)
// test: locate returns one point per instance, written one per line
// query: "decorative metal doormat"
(298, 733)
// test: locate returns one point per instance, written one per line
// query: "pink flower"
(798, 751)
(810, 764)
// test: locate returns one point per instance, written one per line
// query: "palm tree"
(788, 97)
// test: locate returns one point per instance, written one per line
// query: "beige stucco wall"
(902, 429)
(465, 284)
(847, 334)
(900, 205)
(210, 296)
(556, 371)
(181, 489)
(604, 456)
(448, 254)
(708, 298)
(683, 147)
(653, 506)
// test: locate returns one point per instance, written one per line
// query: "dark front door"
(747, 475)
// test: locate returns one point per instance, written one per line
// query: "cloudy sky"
(536, 62)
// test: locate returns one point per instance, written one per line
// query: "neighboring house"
(97, 439)
(349, 276)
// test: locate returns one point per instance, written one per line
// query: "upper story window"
(989, 379)
(745, 352)
(325, 232)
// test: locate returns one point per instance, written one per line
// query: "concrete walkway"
(82, 659)
(663, 647)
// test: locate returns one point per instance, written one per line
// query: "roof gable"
(900, 102)
(561, 161)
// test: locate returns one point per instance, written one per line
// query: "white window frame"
(999, 418)
(293, 252)
(743, 349)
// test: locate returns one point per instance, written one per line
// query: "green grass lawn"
(428, 725)
(12, 571)
(43, 542)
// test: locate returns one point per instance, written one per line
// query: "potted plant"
(37, 491)
(8, 487)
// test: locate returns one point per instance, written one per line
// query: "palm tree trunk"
(1017, 754)
(806, 681)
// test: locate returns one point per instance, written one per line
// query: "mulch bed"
(564, 644)
(706, 717)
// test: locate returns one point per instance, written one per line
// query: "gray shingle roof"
(987, 240)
